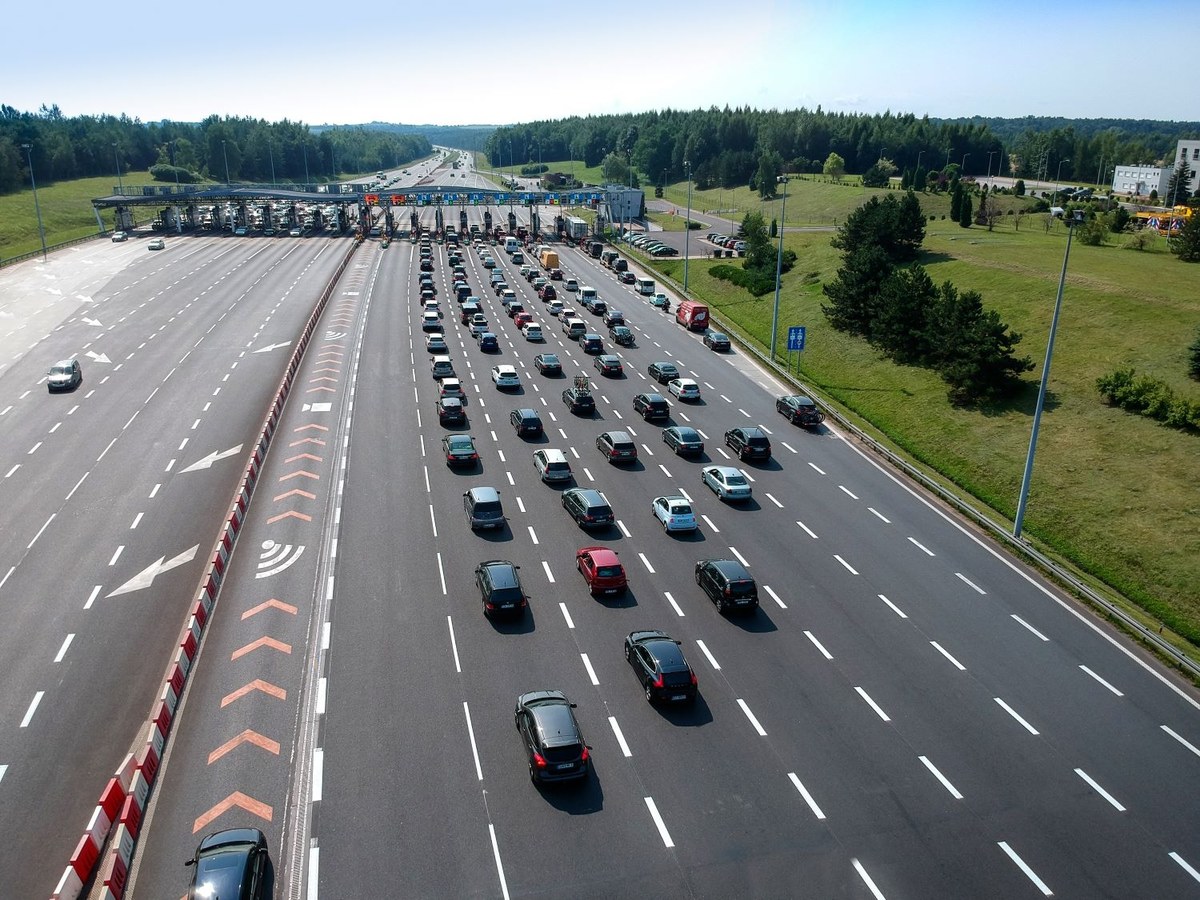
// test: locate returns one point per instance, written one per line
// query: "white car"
(684, 389)
(567, 312)
(675, 513)
(431, 306)
(119, 236)
(570, 285)
(554, 308)
(435, 342)
(156, 244)
(532, 331)
(505, 376)
(726, 482)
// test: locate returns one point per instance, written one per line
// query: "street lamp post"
(991, 153)
(962, 170)
(1058, 174)
(28, 148)
(1041, 400)
(271, 151)
(947, 165)
(178, 220)
(120, 184)
(687, 226)
(917, 170)
(782, 179)
(228, 183)
(304, 147)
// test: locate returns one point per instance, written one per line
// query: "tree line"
(240, 149)
(735, 147)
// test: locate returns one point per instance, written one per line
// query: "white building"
(1141, 180)
(1188, 150)
(625, 203)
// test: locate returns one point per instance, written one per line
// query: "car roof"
(730, 568)
(504, 368)
(618, 437)
(684, 431)
(526, 412)
(724, 470)
(652, 397)
(552, 455)
(672, 499)
(484, 493)
(663, 364)
(590, 496)
(603, 556)
(502, 572)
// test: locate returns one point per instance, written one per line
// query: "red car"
(521, 318)
(601, 570)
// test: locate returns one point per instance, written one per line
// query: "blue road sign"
(796, 337)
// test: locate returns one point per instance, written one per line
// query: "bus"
(645, 286)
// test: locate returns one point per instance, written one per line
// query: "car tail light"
(488, 604)
(585, 756)
(727, 592)
(658, 682)
(539, 760)
(694, 681)
(588, 518)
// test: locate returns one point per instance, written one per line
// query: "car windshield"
(61, 370)
(608, 571)
(220, 875)
(679, 509)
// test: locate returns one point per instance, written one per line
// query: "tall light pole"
(991, 153)
(1041, 400)
(881, 152)
(962, 170)
(28, 148)
(228, 183)
(917, 170)
(947, 165)
(117, 159)
(1058, 174)
(178, 222)
(687, 226)
(271, 150)
(782, 179)
(304, 147)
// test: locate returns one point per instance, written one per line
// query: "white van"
(574, 328)
(587, 294)
(511, 244)
(645, 286)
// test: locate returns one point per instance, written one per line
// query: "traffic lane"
(231, 751)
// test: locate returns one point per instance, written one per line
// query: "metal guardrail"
(997, 529)
(50, 248)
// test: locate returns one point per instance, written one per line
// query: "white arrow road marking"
(270, 347)
(95, 323)
(207, 461)
(145, 578)
(98, 357)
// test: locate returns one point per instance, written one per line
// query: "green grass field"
(1112, 493)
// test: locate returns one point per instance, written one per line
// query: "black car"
(728, 585)
(599, 307)
(592, 343)
(651, 406)
(526, 422)
(450, 411)
(552, 738)
(621, 335)
(607, 364)
(488, 342)
(800, 410)
(683, 440)
(617, 446)
(500, 588)
(750, 442)
(230, 864)
(587, 507)
(459, 450)
(614, 317)
(715, 340)
(663, 372)
(660, 666)
(579, 401)
(547, 364)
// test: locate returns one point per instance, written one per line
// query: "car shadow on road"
(758, 622)
(627, 600)
(763, 465)
(687, 716)
(576, 798)
(525, 624)
(688, 537)
(747, 505)
(500, 535)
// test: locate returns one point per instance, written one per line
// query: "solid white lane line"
(441, 573)
(921, 547)
(1102, 681)
(471, 735)
(819, 470)
(946, 653)
(322, 695)
(499, 864)
(970, 583)
(675, 606)
(1099, 790)
(862, 873)
(812, 804)
(749, 715)
(774, 596)
(318, 774)
(658, 822)
(849, 568)
(566, 614)
(711, 659)
(612, 720)
(872, 704)
(711, 524)
(549, 574)
(897, 610)
(587, 664)
(940, 777)
(37, 698)
(62, 651)
(1175, 856)
(881, 516)
(816, 643)
(812, 534)
(773, 500)
(1029, 873)
(848, 492)
(453, 644)
(1030, 627)
(646, 563)
(1012, 712)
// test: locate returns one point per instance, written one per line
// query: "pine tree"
(1194, 358)
(901, 324)
(920, 179)
(852, 294)
(956, 198)
(1186, 243)
(964, 218)
(1177, 187)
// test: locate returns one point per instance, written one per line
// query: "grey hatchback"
(553, 741)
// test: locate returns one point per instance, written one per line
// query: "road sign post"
(797, 335)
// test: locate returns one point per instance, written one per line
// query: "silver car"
(726, 482)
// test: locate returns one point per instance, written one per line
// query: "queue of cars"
(545, 719)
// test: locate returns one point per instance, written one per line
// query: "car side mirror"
(573, 706)
(189, 862)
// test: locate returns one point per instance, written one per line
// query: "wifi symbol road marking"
(334, 335)
(275, 558)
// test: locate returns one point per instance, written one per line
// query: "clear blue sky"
(500, 62)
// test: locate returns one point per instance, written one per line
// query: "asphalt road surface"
(909, 713)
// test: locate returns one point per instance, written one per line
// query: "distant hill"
(467, 137)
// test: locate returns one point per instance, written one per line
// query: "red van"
(692, 315)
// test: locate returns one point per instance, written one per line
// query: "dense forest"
(727, 147)
(254, 150)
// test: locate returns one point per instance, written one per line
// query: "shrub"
(758, 283)
(1150, 397)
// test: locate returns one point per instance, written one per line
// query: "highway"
(910, 713)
